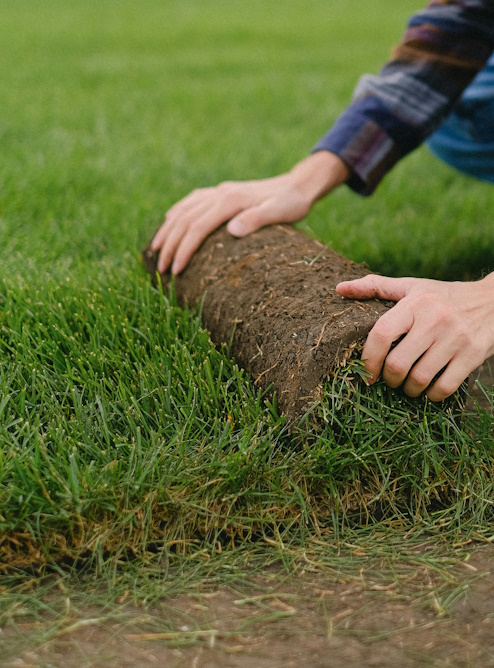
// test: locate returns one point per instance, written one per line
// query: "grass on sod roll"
(128, 441)
(124, 431)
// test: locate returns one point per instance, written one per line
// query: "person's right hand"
(248, 205)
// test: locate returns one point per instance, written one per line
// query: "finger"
(426, 369)
(197, 199)
(399, 362)
(380, 287)
(172, 232)
(197, 227)
(449, 381)
(191, 241)
(159, 237)
(163, 232)
(189, 201)
(393, 324)
(458, 369)
(169, 247)
(253, 219)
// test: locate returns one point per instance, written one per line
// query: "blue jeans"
(466, 139)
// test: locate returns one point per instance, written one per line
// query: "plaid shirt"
(391, 114)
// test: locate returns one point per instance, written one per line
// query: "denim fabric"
(466, 139)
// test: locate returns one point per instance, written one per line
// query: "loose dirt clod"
(272, 295)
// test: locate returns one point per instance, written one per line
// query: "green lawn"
(125, 437)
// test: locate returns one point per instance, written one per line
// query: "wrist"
(487, 285)
(319, 174)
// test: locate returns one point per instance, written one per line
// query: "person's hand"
(248, 205)
(447, 330)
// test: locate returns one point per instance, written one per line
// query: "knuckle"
(419, 377)
(382, 330)
(463, 336)
(197, 194)
(478, 353)
(199, 228)
(444, 388)
(369, 278)
(442, 314)
(227, 188)
(425, 298)
(395, 366)
(369, 284)
(411, 391)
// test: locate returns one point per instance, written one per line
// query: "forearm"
(318, 175)
(444, 47)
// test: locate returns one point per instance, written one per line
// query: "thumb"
(251, 219)
(373, 286)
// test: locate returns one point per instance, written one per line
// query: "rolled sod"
(272, 297)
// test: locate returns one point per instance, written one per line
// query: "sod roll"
(272, 296)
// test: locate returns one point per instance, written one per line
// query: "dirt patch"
(310, 620)
(272, 295)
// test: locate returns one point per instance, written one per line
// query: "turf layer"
(123, 432)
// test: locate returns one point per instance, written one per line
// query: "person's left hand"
(447, 330)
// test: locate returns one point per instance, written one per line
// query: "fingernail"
(177, 267)
(237, 228)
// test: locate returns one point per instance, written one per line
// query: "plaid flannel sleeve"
(443, 48)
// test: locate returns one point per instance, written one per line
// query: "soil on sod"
(272, 297)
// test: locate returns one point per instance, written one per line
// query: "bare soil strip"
(310, 620)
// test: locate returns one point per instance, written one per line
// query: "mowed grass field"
(132, 452)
